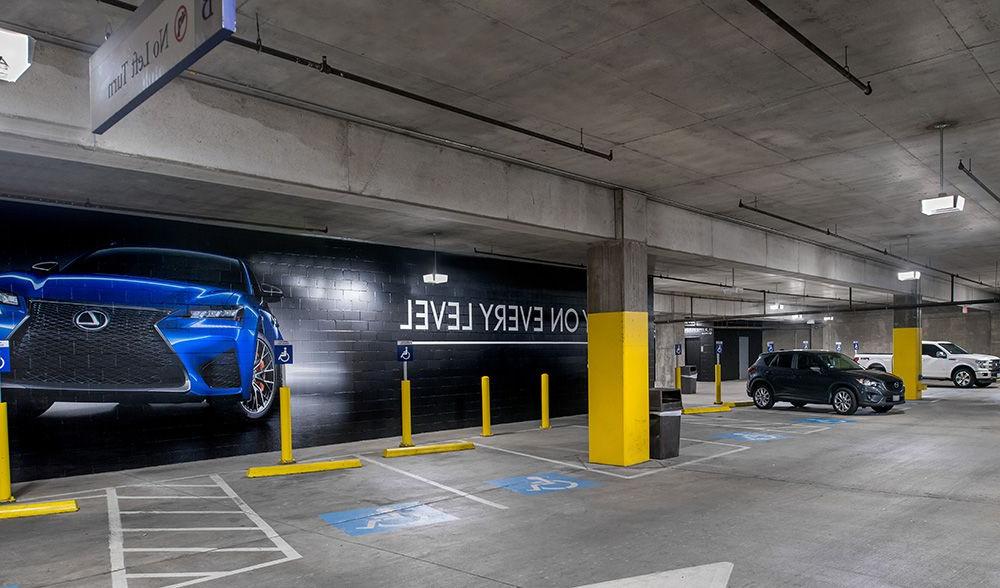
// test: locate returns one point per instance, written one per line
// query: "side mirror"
(271, 293)
(941, 354)
(46, 266)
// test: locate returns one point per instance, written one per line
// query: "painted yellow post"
(407, 422)
(5, 493)
(906, 359)
(718, 383)
(545, 402)
(487, 431)
(285, 398)
(677, 377)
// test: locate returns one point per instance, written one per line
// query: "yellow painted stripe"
(425, 449)
(707, 409)
(37, 509)
(302, 468)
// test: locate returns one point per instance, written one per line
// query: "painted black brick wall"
(344, 304)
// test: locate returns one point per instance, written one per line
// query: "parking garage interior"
(471, 293)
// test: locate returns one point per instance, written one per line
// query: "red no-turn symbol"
(181, 23)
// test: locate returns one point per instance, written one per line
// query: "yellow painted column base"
(302, 468)
(37, 509)
(906, 360)
(618, 387)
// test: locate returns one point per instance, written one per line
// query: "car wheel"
(844, 402)
(881, 409)
(762, 397)
(983, 384)
(798, 404)
(963, 378)
(263, 388)
(877, 367)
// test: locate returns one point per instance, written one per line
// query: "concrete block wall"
(792, 338)
(872, 330)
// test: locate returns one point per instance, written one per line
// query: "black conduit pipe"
(885, 252)
(865, 87)
(968, 172)
(326, 68)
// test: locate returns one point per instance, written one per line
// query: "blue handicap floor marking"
(543, 483)
(824, 420)
(750, 436)
(381, 519)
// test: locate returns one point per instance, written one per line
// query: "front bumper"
(881, 397)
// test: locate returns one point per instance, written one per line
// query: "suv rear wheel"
(844, 401)
(762, 397)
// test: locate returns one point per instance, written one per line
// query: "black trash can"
(689, 379)
(664, 422)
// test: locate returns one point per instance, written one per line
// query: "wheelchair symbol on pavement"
(541, 484)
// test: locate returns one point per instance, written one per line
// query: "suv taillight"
(751, 370)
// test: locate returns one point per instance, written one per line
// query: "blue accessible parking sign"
(543, 483)
(4, 357)
(381, 519)
(283, 352)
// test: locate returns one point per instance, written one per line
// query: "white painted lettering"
(409, 316)
(421, 315)
(576, 320)
(453, 316)
(486, 315)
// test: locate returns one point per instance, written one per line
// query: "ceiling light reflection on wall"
(908, 276)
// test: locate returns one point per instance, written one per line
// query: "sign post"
(157, 43)
(404, 353)
(718, 372)
(677, 365)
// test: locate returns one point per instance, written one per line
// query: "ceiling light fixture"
(827, 319)
(777, 306)
(944, 202)
(434, 277)
(908, 276)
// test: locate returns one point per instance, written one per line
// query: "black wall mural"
(345, 306)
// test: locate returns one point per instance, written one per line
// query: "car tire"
(263, 391)
(983, 384)
(798, 404)
(877, 367)
(963, 377)
(881, 409)
(763, 398)
(844, 402)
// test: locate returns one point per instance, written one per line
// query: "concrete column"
(668, 335)
(618, 352)
(906, 338)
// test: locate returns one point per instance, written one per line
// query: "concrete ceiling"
(704, 102)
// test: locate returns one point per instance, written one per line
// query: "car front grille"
(51, 351)
(995, 365)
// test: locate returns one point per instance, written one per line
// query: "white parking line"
(119, 572)
(455, 491)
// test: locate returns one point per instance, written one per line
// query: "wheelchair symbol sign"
(283, 352)
(4, 357)
(404, 351)
(542, 483)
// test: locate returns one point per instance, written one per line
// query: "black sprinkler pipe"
(865, 87)
(326, 68)
(968, 172)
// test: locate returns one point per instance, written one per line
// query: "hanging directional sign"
(160, 40)
(4, 357)
(283, 352)
(404, 351)
(677, 349)
(15, 54)
(770, 346)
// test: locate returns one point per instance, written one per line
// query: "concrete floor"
(788, 497)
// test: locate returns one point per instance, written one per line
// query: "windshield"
(952, 348)
(163, 264)
(837, 361)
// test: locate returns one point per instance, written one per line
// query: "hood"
(888, 379)
(120, 290)
(974, 356)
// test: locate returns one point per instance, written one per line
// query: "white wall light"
(942, 204)
(15, 54)
(908, 276)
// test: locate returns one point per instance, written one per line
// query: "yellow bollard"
(545, 402)
(5, 493)
(677, 377)
(285, 398)
(487, 431)
(718, 384)
(407, 423)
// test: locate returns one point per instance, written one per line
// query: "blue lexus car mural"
(140, 325)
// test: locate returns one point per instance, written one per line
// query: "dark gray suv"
(821, 377)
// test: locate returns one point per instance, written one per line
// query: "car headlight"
(983, 363)
(8, 299)
(234, 313)
(869, 383)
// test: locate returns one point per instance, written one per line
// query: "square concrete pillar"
(906, 344)
(618, 352)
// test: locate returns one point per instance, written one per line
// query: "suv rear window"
(783, 360)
